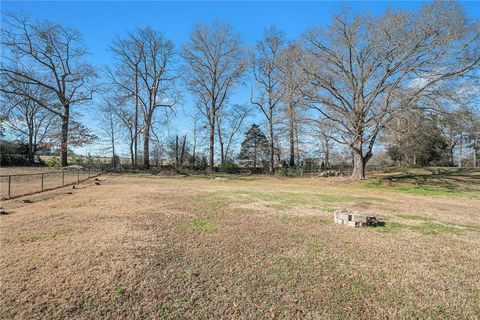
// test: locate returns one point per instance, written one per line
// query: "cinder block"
(352, 224)
(359, 218)
(338, 221)
(341, 216)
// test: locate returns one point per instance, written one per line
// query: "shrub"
(229, 167)
(53, 162)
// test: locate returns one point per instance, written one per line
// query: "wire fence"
(16, 185)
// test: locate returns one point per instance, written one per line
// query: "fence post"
(78, 175)
(42, 181)
(63, 178)
(9, 185)
(89, 169)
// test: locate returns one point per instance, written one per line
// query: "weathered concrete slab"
(353, 219)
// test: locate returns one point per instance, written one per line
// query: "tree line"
(404, 80)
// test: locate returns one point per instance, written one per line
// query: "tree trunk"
(271, 167)
(327, 153)
(64, 136)
(255, 156)
(211, 162)
(220, 142)
(176, 152)
(359, 161)
(132, 153)
(146, 146)
(450, 159)
(193, 156)
(297, 145)
(182, 154)
(31, 151)
(460, 155)
(292, 139)
(475, 151)
(135, 124)
(292, 148)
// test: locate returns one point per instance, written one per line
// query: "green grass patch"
(120, 290)
(430, 182)
(436, 228)
(426, 228)
(205, 226)
(414, 217)
(301, 220)
(418, 189)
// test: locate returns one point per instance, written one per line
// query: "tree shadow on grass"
(454, 180)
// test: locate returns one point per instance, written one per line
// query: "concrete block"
(341, 215)
(338, 221)
(358, 218)
(352, 224)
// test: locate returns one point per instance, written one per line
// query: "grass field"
(150, 247)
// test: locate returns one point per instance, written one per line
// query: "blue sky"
(101, 22)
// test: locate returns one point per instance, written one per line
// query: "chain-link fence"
(15, 185)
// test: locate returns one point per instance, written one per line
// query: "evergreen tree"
(254, 146)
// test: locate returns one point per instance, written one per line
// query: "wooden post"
(63, 178)
(89, 169)
(9, 185)
(78, 175)
(42, 181)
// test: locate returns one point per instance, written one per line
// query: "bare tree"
(27, 119)
(363, 70)
(149, 79)
(49, 56)
(131, 127)
(229, 123)
(267, 75)
(195, 130)
(292, 82)
(108, 123)
(125, 79)
(180, 152)
(215, 62)
(323, 130)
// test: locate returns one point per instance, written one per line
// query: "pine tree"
(254, 146)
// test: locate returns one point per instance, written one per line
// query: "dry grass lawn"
(150, 247)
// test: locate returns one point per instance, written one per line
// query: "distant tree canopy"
(255, 146)
(416, 140)
(13, 152)
(401, 84)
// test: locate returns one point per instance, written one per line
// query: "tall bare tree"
(149, 79)
(363, 70)
(215, 62)
(292, 82)
(50, 56)
(128, 55)
(267, 75)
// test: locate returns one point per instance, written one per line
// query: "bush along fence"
(16, 185)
